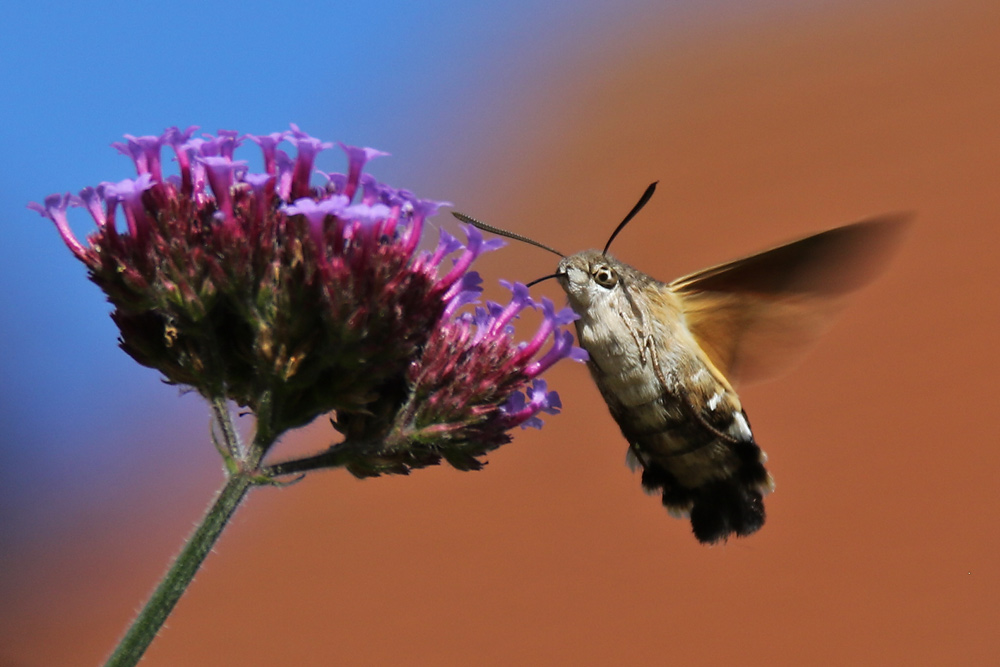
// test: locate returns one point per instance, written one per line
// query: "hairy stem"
(179, 576)
(334, 457)
(230, 437)
(242, 472)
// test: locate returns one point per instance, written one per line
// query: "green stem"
(243, 470)
(242, 473)
(173, 585)
(233, 446)
(334, 457)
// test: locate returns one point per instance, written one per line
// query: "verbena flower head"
(296, 300)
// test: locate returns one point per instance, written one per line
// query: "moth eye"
(605, 276)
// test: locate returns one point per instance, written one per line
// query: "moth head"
(591, 279)
(587, 277)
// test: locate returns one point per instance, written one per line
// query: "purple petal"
(447, 244)
(128, 188)
(357, 158)
(221, 175)
(284, 166)
(257, 181)
(316, 213)
(268, 144)
(519, 300)
(263, 196)
(562, 347)
(515, 403)
(307, 148)
(177, 140)
(365, 213)
(145, 153)
(129, 193)
(542, 399)
(562, 317)
(519, 412)
(55, 210)
(531, 422)
(93, 201)
(228, 141)
(465, 291)
(174, 137)
(371, 190)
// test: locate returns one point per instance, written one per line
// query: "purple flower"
(228, 141)
(521, 412)
(475, 247)
(221, 176)
(129, 193)
(519, 300)
(268, 145)
(470, 386)
(92, 199)
(263, 191)
(467, 292)
(307, 147)
(316, 213)
(367, 214)
(145, 153)
(447, 244)
(55, 210)
(284, 170)
(297, 301)
(357, 158)
(552, 320)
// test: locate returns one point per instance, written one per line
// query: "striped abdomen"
(685, 427)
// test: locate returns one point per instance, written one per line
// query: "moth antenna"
(631, 214)
(503, 232)
(538, 280)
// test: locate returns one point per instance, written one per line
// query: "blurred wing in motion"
(754, 317)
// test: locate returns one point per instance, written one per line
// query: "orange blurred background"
(882, 539)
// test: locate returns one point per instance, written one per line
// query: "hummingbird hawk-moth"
(668, 356)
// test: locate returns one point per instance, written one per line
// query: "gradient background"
(763, 120)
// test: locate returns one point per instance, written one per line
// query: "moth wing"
(754, 317)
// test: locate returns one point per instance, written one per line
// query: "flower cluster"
(296, 300)
(469, 388)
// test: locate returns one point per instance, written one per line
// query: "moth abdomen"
(724, 507)
(717, 482)
(717, 508)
